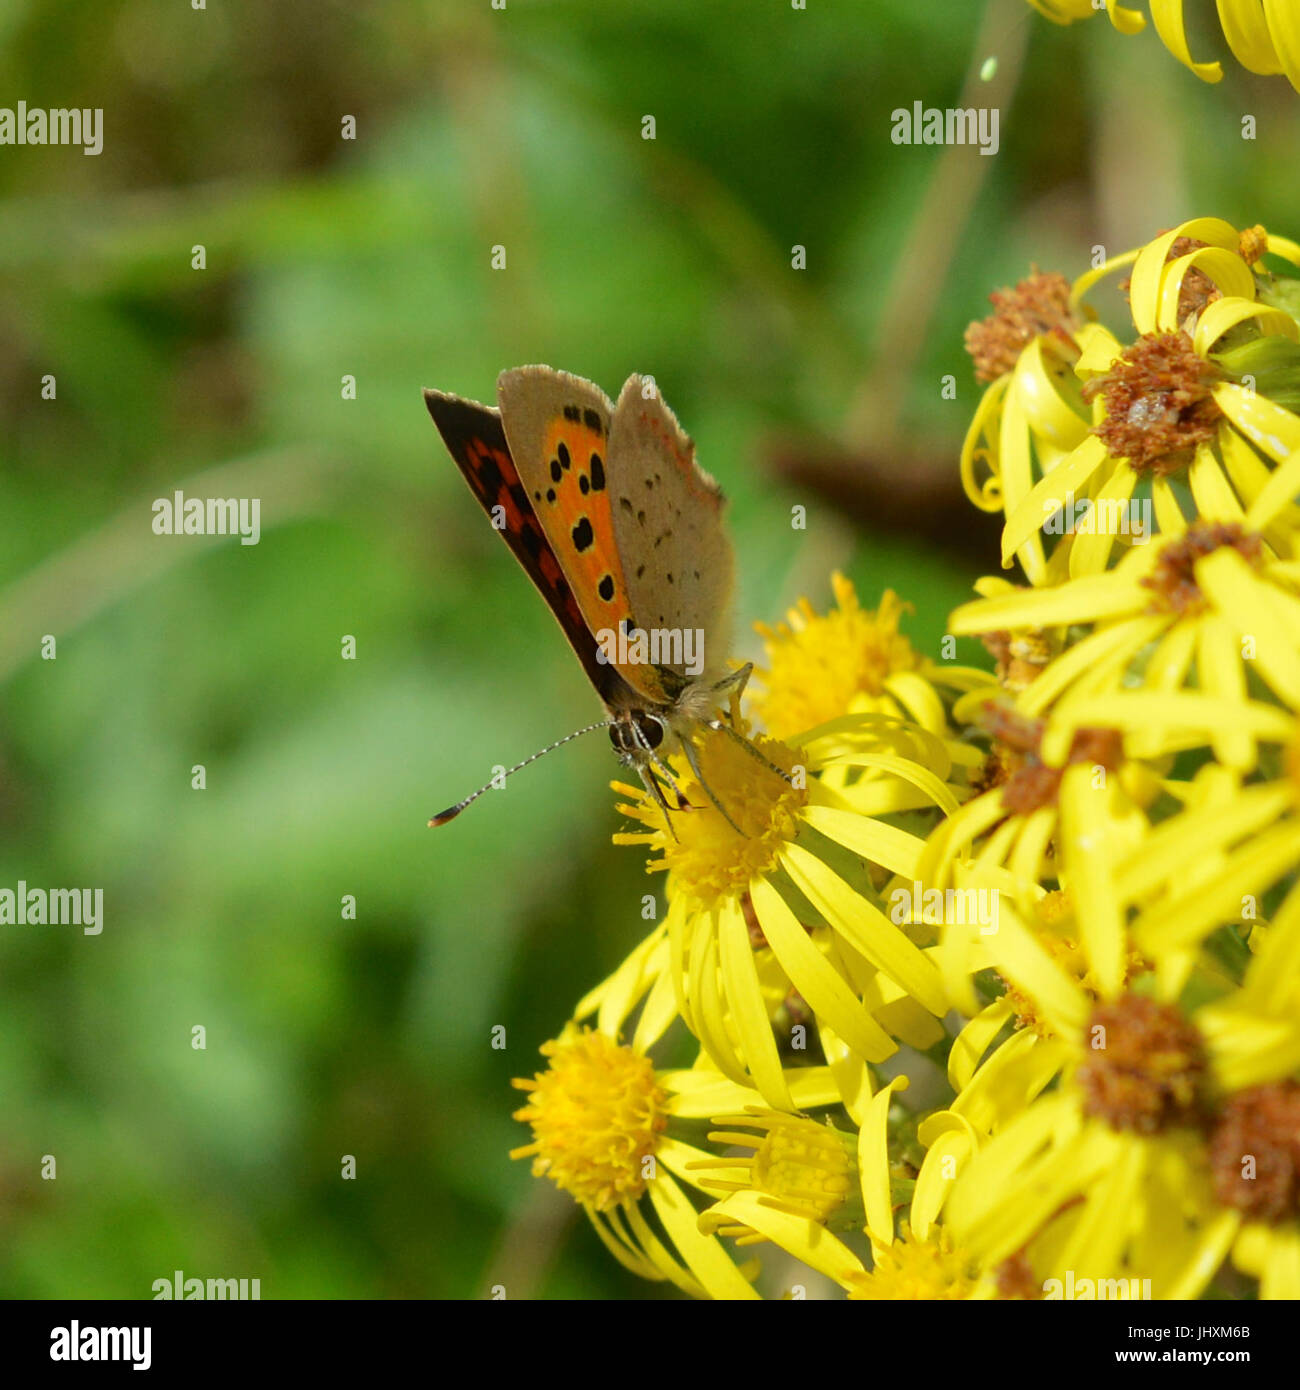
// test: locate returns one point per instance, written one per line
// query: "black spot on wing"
(488, 474)
(593, 421)
(556, 472)
(563, 452)
(571, 412)
(532, 541)
(583, 535)
(606, 587)
(597, 474)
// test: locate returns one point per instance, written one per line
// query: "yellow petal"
(1057, 996)
(874, 840)
(873, 1163)
(1246, 30)
(1237, 592)
(1271, 429)
(1225, 267)
(1217, 318)
(1167, 16)
(1150, 266)
(984, 425)
(1027, 513)
(944, 1161)
(747, 1008)
(704, 1255)
(1085, 600)
(1214, 498)
(824, 990)
(806, 1240)
(865, 927)
(1284, 27)
(1085, 822)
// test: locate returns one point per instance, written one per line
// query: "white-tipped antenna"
(453, 811)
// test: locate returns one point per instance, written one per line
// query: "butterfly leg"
(749, 748)
(647, 766)
(733, 685)
(691, 757)
(651, 783)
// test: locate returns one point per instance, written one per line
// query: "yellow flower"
(829, 1181)
(1136, 1166)
(1076, 433)
(1228, 854)
(603, 1123)
(1210, 608)
(788, 900)
(798, 1166)
(1264, 35)
(1006, 842)
(849, 661)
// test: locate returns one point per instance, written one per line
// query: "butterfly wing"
(668, 525)
(557, 426)
(475, 439)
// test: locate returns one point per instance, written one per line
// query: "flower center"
(1255, 1152)
(1146, 1066)
(1197, 290)
(1159, 403)
(914, 1269)
(1015, 1278)
(1038, 306)
(707, 859)
(1054, 914)
(596, 1113)
(802, 1167)
(1014, 764)
(1173, 579)
(1021, 656)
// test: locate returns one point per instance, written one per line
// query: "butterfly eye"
(637, 733)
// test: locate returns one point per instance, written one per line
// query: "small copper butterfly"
(621, 532)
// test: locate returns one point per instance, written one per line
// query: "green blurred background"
(371, 257)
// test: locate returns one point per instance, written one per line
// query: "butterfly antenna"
(453, 811)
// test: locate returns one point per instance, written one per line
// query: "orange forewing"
(575, 509)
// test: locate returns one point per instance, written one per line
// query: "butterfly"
(620, 531)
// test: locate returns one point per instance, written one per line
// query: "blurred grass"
(326, 257)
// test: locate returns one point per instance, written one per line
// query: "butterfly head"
(636, 733)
